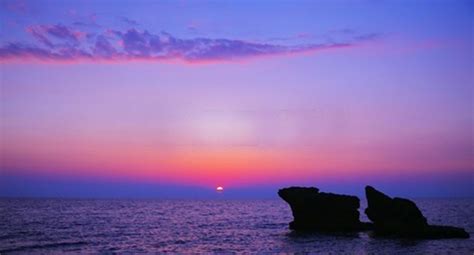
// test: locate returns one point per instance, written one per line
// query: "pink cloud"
(59, 43)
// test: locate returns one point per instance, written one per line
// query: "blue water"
(214, 226)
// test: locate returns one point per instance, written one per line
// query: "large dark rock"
(396, 213)
(314, 210)
(401, 218)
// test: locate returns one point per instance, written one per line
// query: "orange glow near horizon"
(204, 165)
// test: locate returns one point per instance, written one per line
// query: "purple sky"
(169, 98)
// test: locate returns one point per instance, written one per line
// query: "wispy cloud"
(18, 6)
(59, 43)
(128, 21)
(46, 34)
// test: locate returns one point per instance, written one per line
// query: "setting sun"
(336, 126)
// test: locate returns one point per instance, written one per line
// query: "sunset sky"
(175, 98)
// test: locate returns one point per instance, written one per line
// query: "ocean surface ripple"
(201, 226)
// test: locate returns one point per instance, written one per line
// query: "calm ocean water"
(214, 226)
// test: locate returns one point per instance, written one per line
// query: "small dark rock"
(314, 210)
(401, 217)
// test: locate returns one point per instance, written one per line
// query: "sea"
(202, 226)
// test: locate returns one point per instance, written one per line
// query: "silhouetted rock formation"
(314, 210)
(401, 217)
(396, 213)
(395, 217)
